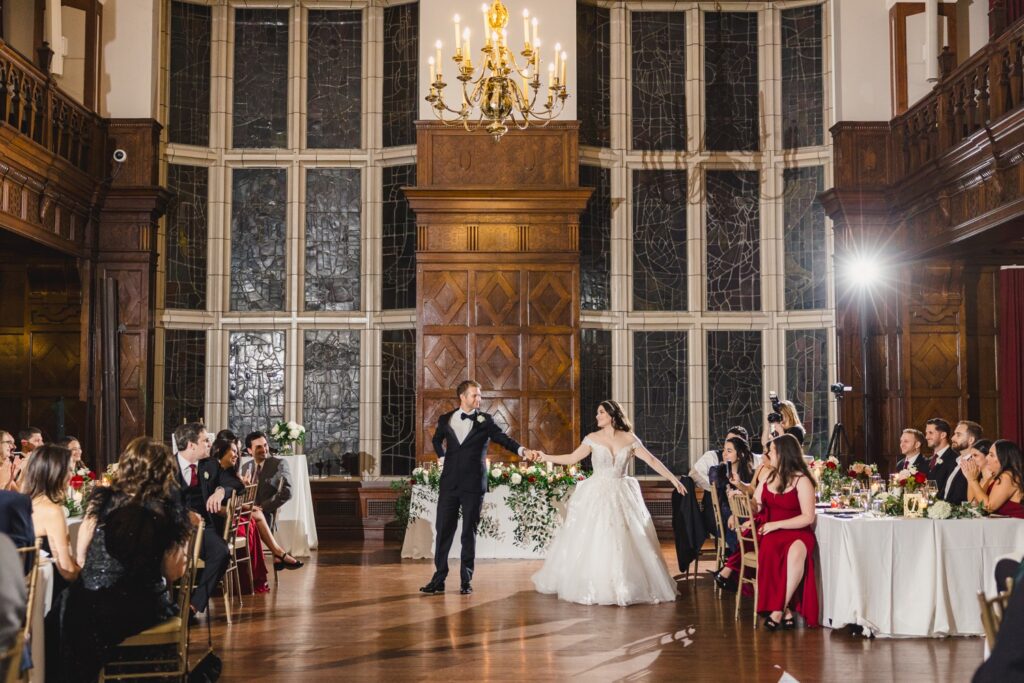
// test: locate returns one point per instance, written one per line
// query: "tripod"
(836, 441)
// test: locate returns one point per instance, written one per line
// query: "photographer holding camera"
(782, 420)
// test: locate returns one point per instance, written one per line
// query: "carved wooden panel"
(444, 297)
(552, 297)
(444, 361)
(548, 417)
(498, 361)
(497, 298)
(549, 362)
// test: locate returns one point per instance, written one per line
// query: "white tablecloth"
(911, 577)
(41, 605)
(495, 537)
(296, 526)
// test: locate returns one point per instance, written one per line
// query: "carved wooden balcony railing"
(985, 88)
(34, 106)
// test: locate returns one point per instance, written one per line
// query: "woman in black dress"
(133, 540)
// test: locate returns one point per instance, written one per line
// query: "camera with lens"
(838, 389)
(776, 414)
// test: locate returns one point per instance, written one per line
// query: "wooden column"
(497, 279)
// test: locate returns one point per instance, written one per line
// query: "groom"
(465, 433)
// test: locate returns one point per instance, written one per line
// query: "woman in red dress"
(785, 560)
(1002, 494)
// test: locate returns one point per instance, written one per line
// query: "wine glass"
(931, 489)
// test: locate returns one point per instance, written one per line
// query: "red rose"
(830, 465)
(412, 481)
(505, 474)
(920, 477)
(851, 473)
(92, 475)
(531, 479)
(77, 481)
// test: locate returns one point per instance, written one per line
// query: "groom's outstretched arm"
(438, 439)
(498, 435)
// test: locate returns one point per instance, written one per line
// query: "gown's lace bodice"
(606, 463)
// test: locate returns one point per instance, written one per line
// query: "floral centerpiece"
(288, 434)
(909, 479)
(828, 475)
(861, 472)
(79, 488)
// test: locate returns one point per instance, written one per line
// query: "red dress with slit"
(773, 551)
(247, 528)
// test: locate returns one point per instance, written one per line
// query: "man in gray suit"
(270, 473)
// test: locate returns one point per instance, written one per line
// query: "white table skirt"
(296, 525)
(911, 577)
(495, 537)
(41, 605)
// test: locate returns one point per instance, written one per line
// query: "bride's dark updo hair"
(619, 419)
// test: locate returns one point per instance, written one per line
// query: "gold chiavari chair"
(992, 610)
(230, 582)
(742, 510)
(720, 540)
(242, 515)
(10, 660)
(173, 632)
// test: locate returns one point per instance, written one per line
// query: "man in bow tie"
(460, 441)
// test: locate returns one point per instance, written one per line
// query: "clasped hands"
(534, 455)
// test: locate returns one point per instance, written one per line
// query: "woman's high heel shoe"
(280, 564)
(723, 583)
(770, 624)
(789, 623)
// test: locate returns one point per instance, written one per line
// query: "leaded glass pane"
(807, 384)
(734, 240)
(399, 239)
(332, 239)
(659, 80)
(804, 238)
(401, 70)
(595, 240)
(803, 94)
(593, 71)
(734, 382)
(186, 237)
(661, 397)
(255, 380)
(260, 92)
(330, 394)
(398, 402)
(188, 106)
(731, 88)
(258, 197)
(334, 82)
(184, 378)
(659, 240)
(596, 379)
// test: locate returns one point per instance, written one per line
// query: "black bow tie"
(466, 416)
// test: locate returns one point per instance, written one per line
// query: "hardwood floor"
(354, 613)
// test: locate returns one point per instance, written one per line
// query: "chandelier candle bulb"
(536, 41)
(561, 81)
(551, 76)
(437, 61)
(458, 35)
(431, 63)
(487, 28)
(469, 50)
(526, 26)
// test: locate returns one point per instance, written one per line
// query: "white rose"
(480, 418)
(294, 434)
(495, 473)
(293, 425)
(77, 496)
(417, 472)
(517, 478)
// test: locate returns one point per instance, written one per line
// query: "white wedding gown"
(607, 551)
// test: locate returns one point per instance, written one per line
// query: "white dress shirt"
(699, 471)
(911, 460)
(186, 472)
(952, 476)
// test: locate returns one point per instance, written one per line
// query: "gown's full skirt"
(607, 551)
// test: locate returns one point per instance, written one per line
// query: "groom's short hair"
(464, 387)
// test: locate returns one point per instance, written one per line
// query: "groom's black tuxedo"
(463, 484)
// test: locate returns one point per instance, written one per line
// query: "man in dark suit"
(911, 441)
(461, 441)
(965, 436)
(16, 518)
(202, 495)
(936, 433)
(274, 482)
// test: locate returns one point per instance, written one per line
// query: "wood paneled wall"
(498, 279)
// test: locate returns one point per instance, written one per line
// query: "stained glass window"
(659, 240)
(260, 92)
(188, 106)
(185, 245)
(731, 88)
(807, 384)
(398, 402)
(332, 239)
(255, 380)
(733, 240)
(184, 377)
(595, 240)
(661, 397)
(734, 382)
(593, 71)
(803, 94)
(330, 393)
(805, 239)
(659, 80)
(258, 198)
(334, 82)
(596, 379)
(399, 239)
(401, 70)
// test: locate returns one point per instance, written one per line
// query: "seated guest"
(785, 559)
(30, 438)
(964, 437)
(936, 434)
(11, 463)
(1006, 663)
(16, 518)
(735, 472)
(274, 483)
(78, 465)
(1002, 493)
(911, 441)
(133, 541)
(202, 494)
(700, 470)
(13, 595)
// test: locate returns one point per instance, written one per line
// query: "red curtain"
(1014, 10)
(1011, 354)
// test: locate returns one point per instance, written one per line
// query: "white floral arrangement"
(288, 434)
(940, 509)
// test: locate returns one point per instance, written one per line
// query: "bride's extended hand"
(679, 487)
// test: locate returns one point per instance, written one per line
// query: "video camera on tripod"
(838, 437)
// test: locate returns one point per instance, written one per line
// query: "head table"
(911, 577)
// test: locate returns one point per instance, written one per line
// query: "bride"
(607, 551)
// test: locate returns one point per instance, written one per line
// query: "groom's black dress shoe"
(432, 588)
(466, 589)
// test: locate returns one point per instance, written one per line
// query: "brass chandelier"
(505, 93)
